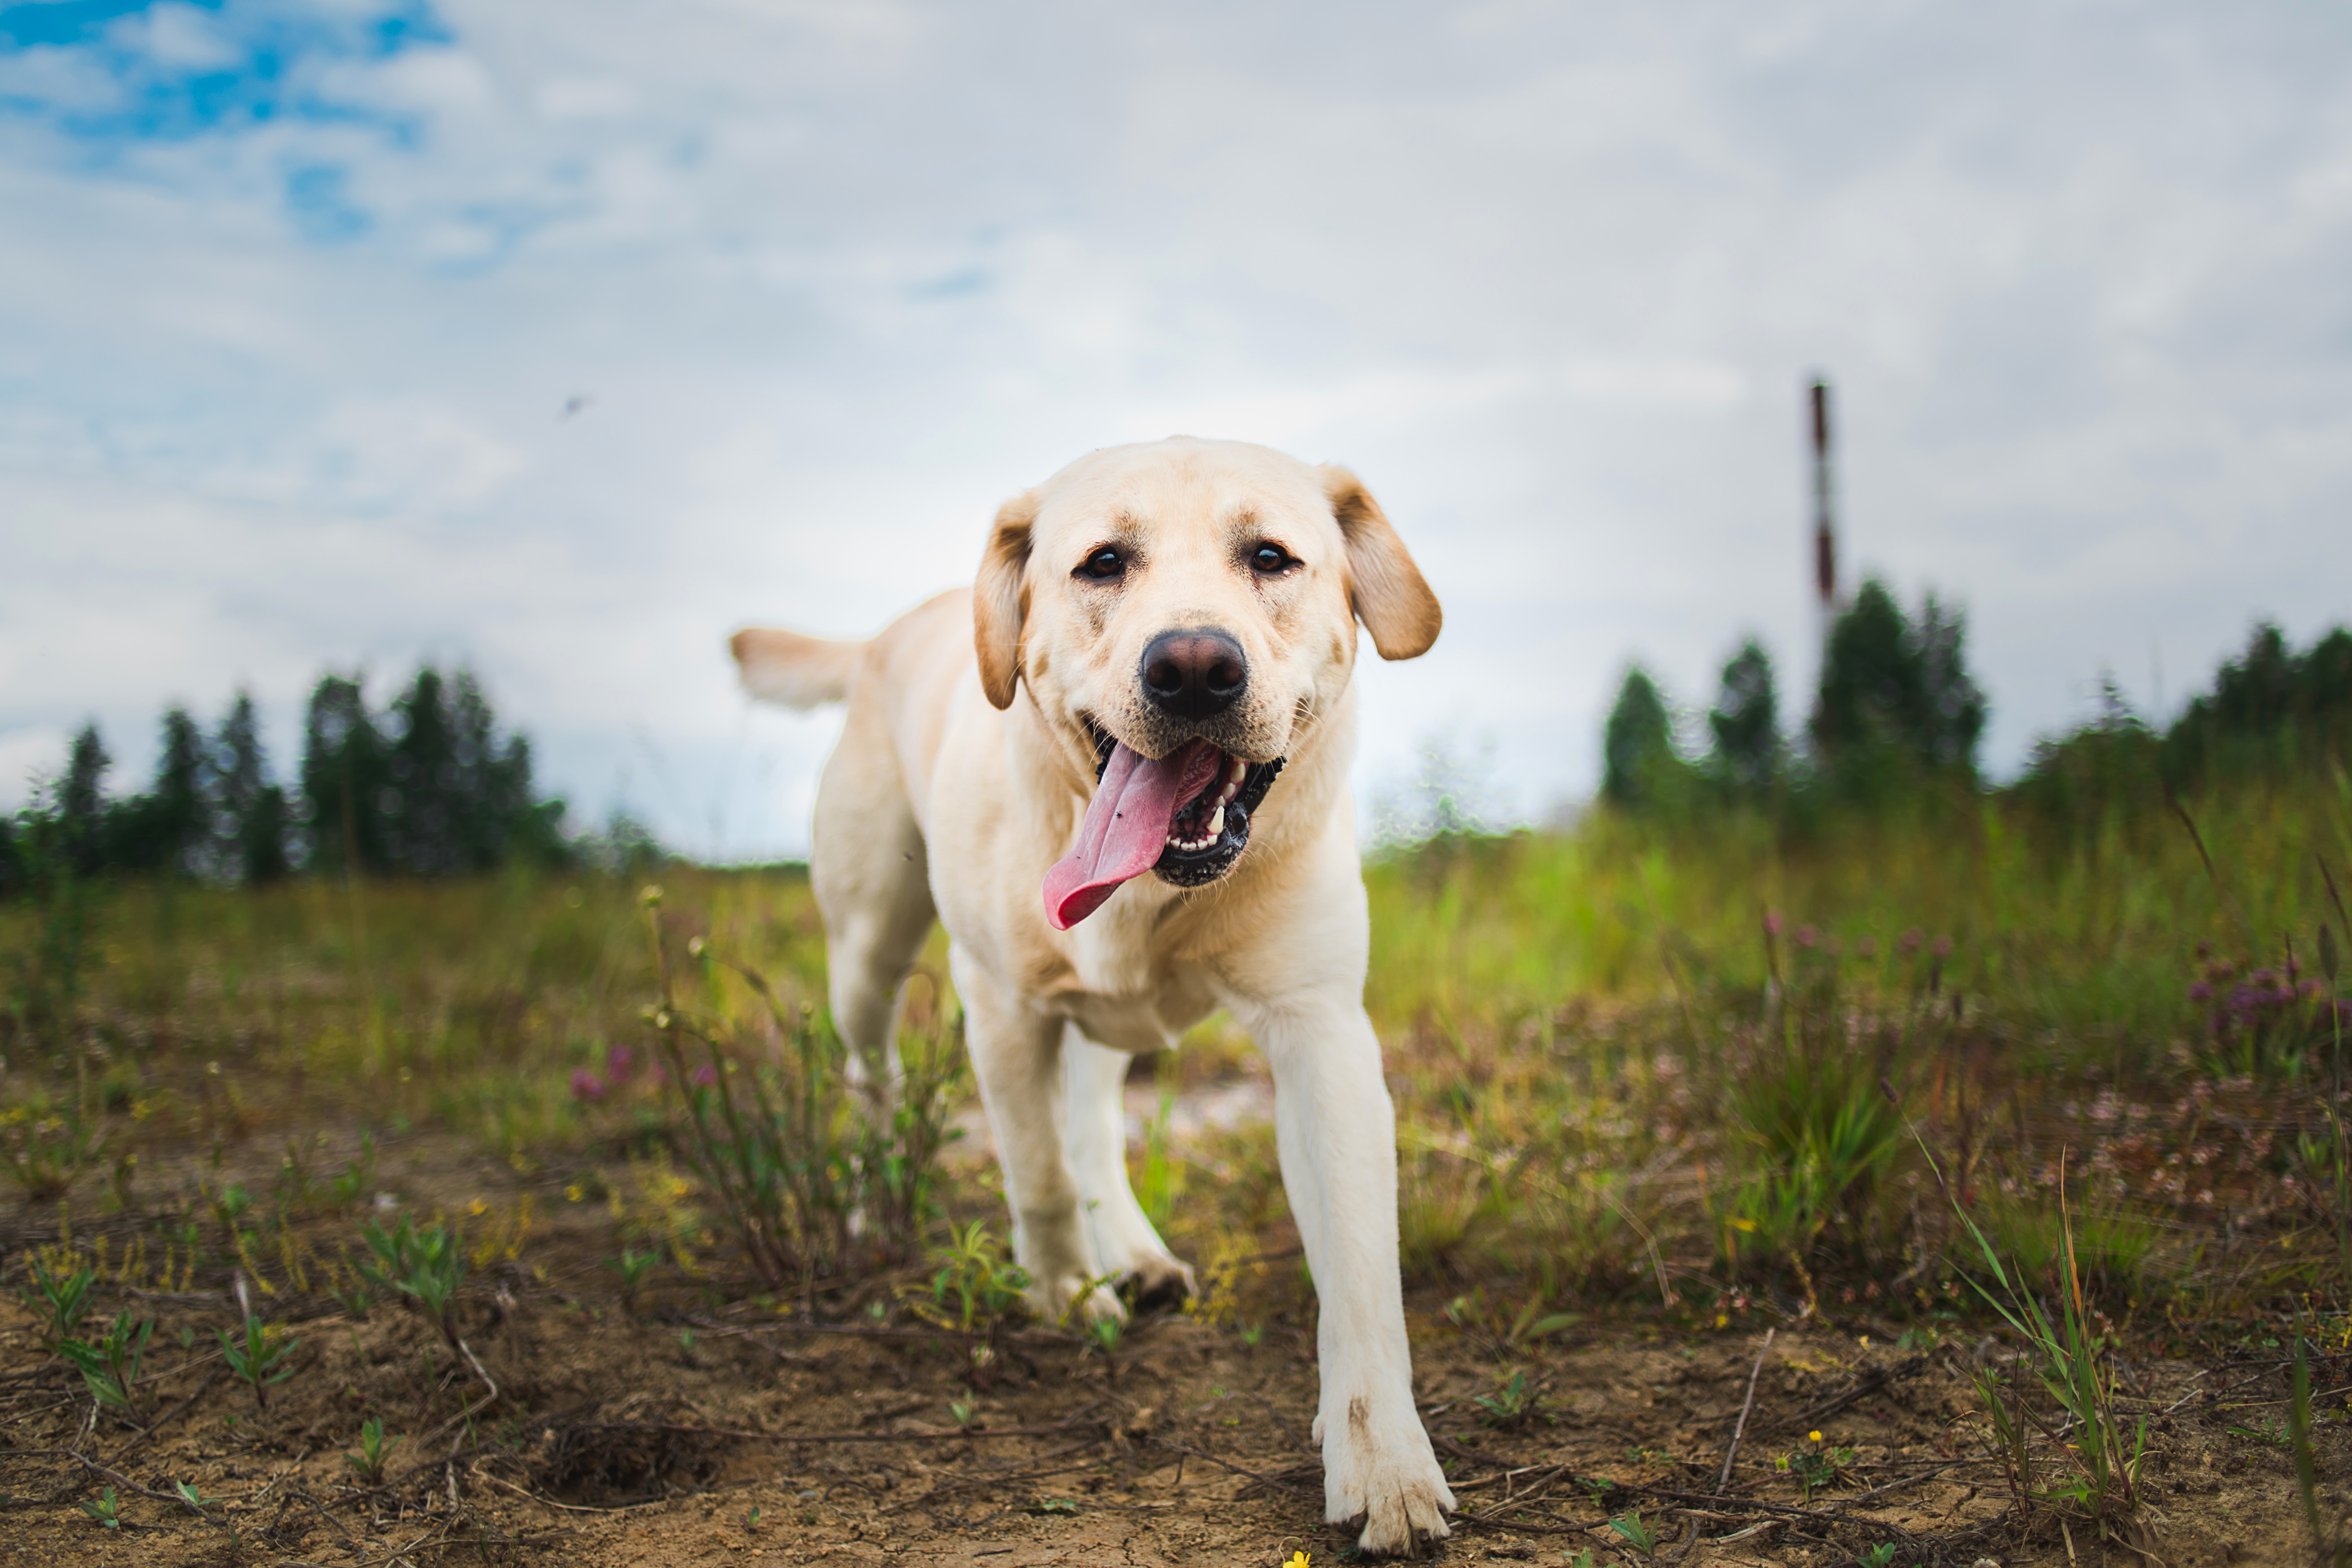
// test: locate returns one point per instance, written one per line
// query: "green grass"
(2086, 940)
(1664, 1070)
(465, 1004)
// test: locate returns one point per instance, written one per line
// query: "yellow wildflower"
(1812, 1436)
(1297, 1559)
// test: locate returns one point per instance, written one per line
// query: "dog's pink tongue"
(1126, 826)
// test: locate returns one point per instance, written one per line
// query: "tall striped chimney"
(1825, 579)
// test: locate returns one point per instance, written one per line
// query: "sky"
(561, 338)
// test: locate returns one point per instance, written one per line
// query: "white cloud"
(837, 277)
(178, 37)
(585, 97)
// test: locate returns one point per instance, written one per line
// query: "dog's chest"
(1130, 999)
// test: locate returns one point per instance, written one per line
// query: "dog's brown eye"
(1103, 565)
(1270, 559)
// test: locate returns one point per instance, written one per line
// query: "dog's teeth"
(1236, 770)
(1217, 823)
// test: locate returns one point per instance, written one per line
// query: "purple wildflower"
(586, 1085)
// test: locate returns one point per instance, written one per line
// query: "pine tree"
(1746, 719)
(1895, 693)
(249, 815)
(1870, 678)
(428, 779)
(348, 796)
(1951, 717)
(165, 831)
(497, 779)
(81, 803)
(445, 794)
(1637, 749)
(2271, 707)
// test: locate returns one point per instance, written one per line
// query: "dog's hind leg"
(1126, 1247)
(873, 885)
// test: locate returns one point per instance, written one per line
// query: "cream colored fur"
(962, 772)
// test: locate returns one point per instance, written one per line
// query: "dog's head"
(1183, 613)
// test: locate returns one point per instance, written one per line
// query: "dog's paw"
(1380, 1470)
(1158, 1280)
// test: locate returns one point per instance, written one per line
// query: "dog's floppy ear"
(999, 599)
(1384, 587)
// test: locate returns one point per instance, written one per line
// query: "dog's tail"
(796, 671)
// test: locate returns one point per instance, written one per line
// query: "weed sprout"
(373, 1450)
(58, 1302)
(426, 1266)
(260, 1357)
(111, 1367)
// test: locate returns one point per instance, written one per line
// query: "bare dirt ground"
(684, 1430)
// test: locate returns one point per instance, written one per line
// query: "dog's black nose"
(1193, 674)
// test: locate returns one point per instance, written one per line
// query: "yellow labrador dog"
(1117, 769)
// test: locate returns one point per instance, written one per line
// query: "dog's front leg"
(1017, 1055)
(1336, 1131)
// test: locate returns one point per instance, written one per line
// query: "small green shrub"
(633, 1267)
(48, 1149)
(1511, 1404)
(259, 1357)
(1815, 1466)
(1819, 1142)
(58, 1302)
(352, 1186)
(977, 1290)
(1639, 1536)
(426, 1267)
(2093, 1471)
(106, 1508)
(373, 1450)
(111, 1367)
(794, 1158)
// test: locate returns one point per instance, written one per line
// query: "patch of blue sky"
(113, 73)
(318, 198)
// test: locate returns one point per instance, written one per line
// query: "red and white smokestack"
(1824, 530)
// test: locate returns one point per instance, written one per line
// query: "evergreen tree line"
(429, 786)
(1896, 703)
(1897, 708)
(2272, 712)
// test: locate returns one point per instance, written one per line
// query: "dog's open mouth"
(1184, 816)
